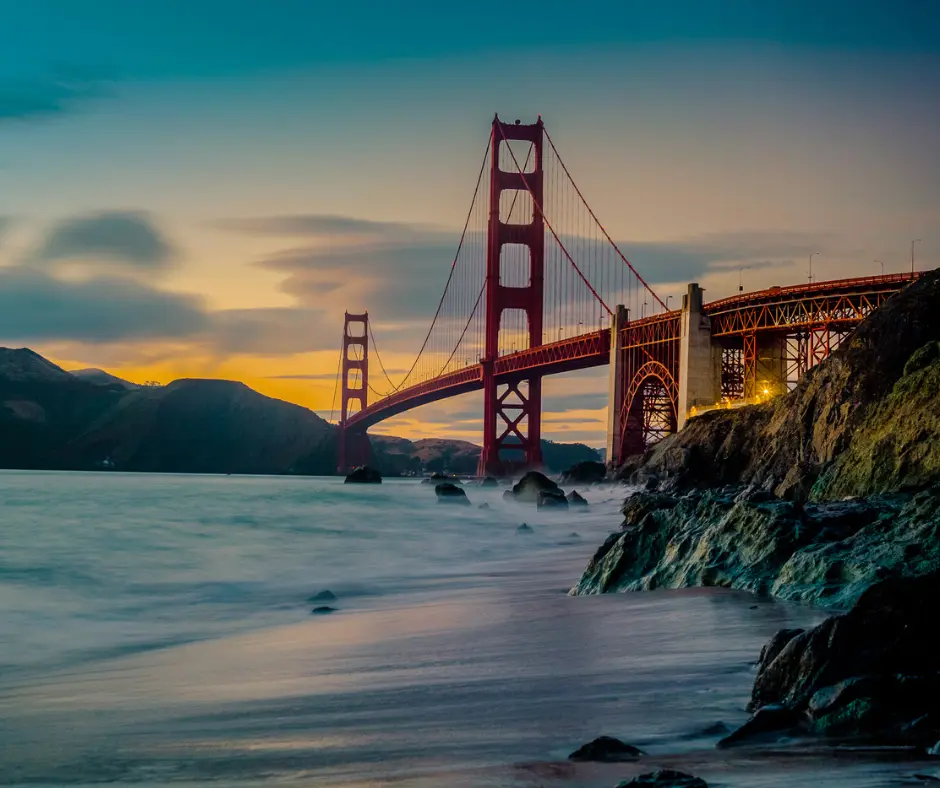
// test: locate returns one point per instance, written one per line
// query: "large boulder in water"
(364, 475)
(489, 481)
(527, 489)
(451, 493)
(587, 472)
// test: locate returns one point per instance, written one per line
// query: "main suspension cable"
(548, 224)
(450, 276)
(603, 229)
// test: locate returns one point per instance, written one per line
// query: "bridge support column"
(353, 448)
(699, 359)
(616, 386)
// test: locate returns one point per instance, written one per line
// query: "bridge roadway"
(832, 305)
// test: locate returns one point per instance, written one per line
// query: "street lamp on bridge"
(916, 240)
(882, 266)
(814, 254)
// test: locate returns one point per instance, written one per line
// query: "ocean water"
(156, 630)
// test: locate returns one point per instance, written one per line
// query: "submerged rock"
(364, 475)
(551, 500)
(664, 778)
(524, 529)
(576, 499)
(323, 610)
(587, 472)
(323, 596)
(527, 489)
(484, 505)
(606, 749)
(451, 493)
(767, 722)
(489, 481)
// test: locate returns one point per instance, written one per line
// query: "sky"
(201, 188)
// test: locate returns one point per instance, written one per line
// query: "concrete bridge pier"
(618, 320)
(699, 359)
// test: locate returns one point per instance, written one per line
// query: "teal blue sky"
(708, 136)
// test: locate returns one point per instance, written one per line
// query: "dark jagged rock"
(548, 499)
(767, 722)
(606, 749)
(775, 645)
(324, 596)
(576, 499)
(527, 489)
(451, 493)
(585, 473)
(524, 529)
(489, 481)
(826, 552)
(484, 505)
(323, 610)
(364, 475)
(871, 673)
(664, 778)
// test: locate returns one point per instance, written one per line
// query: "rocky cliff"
(755, 498)
(864, 421)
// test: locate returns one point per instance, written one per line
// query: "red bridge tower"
(512, 412)
(354, 446)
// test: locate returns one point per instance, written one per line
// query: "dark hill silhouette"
(42, 408)
(102, 378)
(208, 426)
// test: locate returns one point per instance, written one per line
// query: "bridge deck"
(775, 308)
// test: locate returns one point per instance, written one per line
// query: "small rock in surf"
(451, 493)
(664, 778)
(364, 475)
(606, 749)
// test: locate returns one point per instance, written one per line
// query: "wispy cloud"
(123, 239)
(41, 99)
(324, 226)
(36, 306)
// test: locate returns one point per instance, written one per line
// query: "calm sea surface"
(155, 630)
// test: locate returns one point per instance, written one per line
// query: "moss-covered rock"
(829, 552)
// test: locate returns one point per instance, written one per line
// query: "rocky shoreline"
(830, 495)
(735, 537)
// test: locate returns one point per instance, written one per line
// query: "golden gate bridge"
(538, 287)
